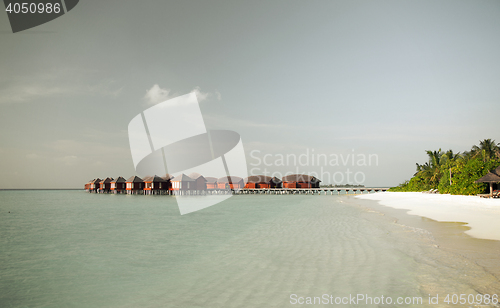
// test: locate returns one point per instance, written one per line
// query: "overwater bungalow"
(134, 185)
(211, 183)
(154, 185)
(168, 184)
(276, 183)
(105, 185)
(262, 181)
(200, 181)
(118, 185)
(230, 182)
(94, 185)
(300, 181)
(182, 184)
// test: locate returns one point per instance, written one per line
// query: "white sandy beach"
(481, 215)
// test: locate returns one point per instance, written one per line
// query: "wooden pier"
(311, 191)
(257, 191)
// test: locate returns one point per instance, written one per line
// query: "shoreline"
(480, 215)
(468, 259)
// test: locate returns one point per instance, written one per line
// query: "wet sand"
(461, 257)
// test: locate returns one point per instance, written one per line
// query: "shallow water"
(74, 249)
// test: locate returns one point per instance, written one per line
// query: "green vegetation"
(464, 169)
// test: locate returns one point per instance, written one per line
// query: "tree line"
(455, 173)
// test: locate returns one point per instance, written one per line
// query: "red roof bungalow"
(155, 183)
(94, 184)
(200, 181)
(118, 185)
(262, 181)
(134, 184)
(182, 182)
(105, 185)
(300, 181)
(230, 182)
(211, 183)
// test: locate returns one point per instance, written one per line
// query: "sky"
(381, 79)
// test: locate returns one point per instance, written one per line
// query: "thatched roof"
(211, 179)
(96, 181)
(262, 179)
(276, 180)
(300, 178)
(497, 171)
(196, 176)
(182, 178)
(229, 179)
(259, 179)
(119, 180)
(167, 177)
(154, 179)
(490, 177)
(107, 180)
(134, 179)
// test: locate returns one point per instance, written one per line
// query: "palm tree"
(435, 161)
(430, 171)
(435, 158)
(450, 156)
(488, 149)
(467, 155)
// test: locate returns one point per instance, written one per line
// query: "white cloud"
(27, 92)
(218, 95)
(201, 95)
(63, 82)
(106, 87)
(156, 95)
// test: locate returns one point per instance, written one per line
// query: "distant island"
(467, 173)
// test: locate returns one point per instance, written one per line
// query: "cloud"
(157, 95)
(106, 87)
(202, 96)
(56, 83)
(23, 93)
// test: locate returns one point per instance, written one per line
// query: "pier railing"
(248, 191)
(319, 191)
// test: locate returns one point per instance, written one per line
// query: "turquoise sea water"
(75, 249)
